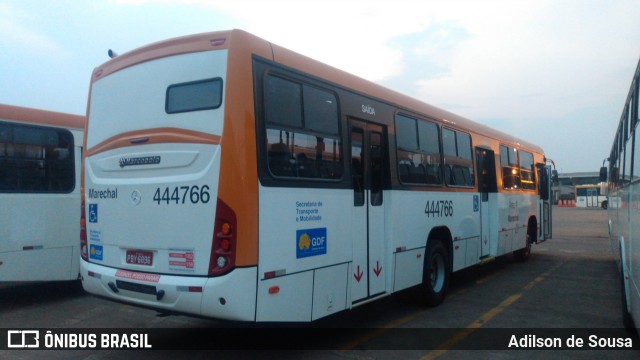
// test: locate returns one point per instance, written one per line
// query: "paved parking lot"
(569, 287)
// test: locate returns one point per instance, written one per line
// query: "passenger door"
(488, 188)
(368, 164)
(544, 206)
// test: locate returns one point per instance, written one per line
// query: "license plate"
(139, 257)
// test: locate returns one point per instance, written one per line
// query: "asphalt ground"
(569, 290)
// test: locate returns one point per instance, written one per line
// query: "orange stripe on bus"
(44, 117)
(154, 136)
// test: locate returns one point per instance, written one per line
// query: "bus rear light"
(226, 228)
(221, 262)
(223, 247)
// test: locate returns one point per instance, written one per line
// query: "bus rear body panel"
(151, 181)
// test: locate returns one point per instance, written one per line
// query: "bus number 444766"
(180, 195)
(439, 208)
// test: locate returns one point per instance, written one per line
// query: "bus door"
(488, 188)
(368, 161)
(592, 197)
(544, 205)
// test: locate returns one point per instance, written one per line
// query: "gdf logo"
(23, 339)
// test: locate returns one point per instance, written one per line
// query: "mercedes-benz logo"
(136, 197)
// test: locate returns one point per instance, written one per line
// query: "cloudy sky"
(554, 72)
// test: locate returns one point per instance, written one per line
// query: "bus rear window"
(194, 96)
(36, 159)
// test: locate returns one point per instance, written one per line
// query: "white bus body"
(40, 162)
(189, 209)
(624, 204)
(590, 196)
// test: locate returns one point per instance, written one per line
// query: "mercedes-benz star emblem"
(136, 197)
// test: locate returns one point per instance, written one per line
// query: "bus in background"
(40, 163)
(591, 195)
(624, 203)
(228, 177)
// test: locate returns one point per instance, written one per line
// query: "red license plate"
(139, 257)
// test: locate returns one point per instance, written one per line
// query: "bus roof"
(239, 38)
(44, 117)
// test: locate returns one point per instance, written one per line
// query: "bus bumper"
(231, 296)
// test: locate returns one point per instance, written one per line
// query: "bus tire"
(605, 204)
(437, 270)
(525, 253)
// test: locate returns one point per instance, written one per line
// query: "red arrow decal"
(378, 269)
(358, 274)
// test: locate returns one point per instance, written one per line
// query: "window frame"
(534, 185)
(511, 166)
(471, 163)
(268, 125)
(418, 150)
(197, 108)
(45, 163)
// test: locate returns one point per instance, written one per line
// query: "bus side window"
(418, 151)
(458, 170)
(527, 177)
(36, 159)
(510, 170)
(302, 129)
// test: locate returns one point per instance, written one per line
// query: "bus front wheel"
(524, 253)
(436, 273)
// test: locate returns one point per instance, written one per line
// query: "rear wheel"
(436, 273)
(524, 253)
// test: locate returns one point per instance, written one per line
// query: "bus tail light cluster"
(84, 251)
(223, 248)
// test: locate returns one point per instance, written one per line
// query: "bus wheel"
(436, 273)
(605, 204)
(524, 253)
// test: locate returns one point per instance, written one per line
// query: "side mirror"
(554, 176)
(603, 174)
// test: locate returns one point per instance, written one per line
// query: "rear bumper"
(232, 296)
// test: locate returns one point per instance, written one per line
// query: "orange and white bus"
(228, 177)
(624, 203)
(40, 163)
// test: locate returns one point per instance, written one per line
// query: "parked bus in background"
(40, 163)
(591, 195)
(624, 203)
(228, 177)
